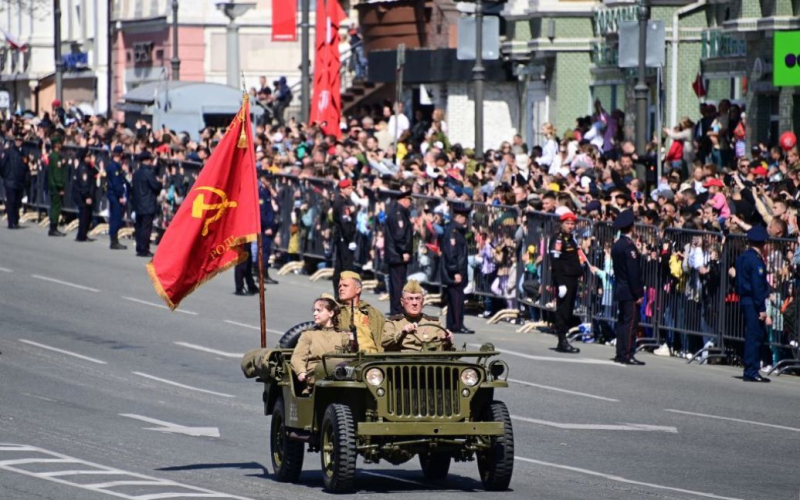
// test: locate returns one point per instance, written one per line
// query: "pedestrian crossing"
(70, 471)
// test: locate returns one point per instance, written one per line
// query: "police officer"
(566, 268)
(117, 197)
(753, 290)
(56, 183)
(269, 223)
(399, 244)
(629, 290)
(83, 189)
(454, 267)
(411, 330)
(16, 175)
(344, 231)
(146, 188)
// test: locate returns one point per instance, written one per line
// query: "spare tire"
(292, 335)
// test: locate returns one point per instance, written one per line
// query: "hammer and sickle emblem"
(199, 206)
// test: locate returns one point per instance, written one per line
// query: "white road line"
(65, 283)
(160, 306)
(62, 351)
(251, 327)
(582, 361)
(599, 427)
(212, 351)
(565, 391)
(400, 479)
(5, 270)
(24, 461)
(174, 428)
(176, 384)
(751, 422)
(619, 479)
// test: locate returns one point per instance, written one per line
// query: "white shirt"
(548, 152)
(400, 123)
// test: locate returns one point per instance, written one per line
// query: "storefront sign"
(716, 44)
(607, 20)
(786, 59)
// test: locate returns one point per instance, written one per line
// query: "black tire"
(292, 335)
(338, 449)
(497, 463)
(286, 455)
(435, 466)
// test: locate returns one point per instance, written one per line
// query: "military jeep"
(438, 405)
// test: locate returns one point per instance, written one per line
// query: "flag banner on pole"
(284, 20)
(217, 217)
(326, 104)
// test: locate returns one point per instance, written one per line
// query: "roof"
(146, 93)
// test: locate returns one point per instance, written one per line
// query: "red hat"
(346, 183)
(760, 171)
(713, 182)
(568, 216)
(56, 103)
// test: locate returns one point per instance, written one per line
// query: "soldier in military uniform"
(146, 188)
(399, 246)
(16, 175)
(566, 268)
(411, 330)
(83, 189)
(117, 197)
(323, 339)
(358, 314)
(454, 267)
(628, 290)
(344, 231)
(753, 290)
(56, 183)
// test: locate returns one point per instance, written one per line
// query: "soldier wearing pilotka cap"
(411, 330)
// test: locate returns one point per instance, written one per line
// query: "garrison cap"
(413, 287)
(757, 234)
(326, 295)
(350, 275)
(624, 219)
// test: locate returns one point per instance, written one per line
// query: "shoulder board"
(395, 317)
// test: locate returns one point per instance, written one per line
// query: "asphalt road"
(94, 371)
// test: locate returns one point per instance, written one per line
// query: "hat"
(19, 137)
(592, 206)
(568, 216)
(624, 219)
(56, 103)
(145, 155)
(345, 183)
(760, 170)
(413, 287)
(713, 182)
(118, 150)
(757, 234)
(349, 275)
(461, 208)
(328, 296)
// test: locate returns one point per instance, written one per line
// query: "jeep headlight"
(470, 377)
(374, 376)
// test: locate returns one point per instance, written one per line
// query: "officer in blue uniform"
(753, 290)
(269, 223)
(117, 197)
(454, 267)
(629, 289)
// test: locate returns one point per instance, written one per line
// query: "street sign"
(786, 59)
(5, 100)
(629, 44)
(466, 38)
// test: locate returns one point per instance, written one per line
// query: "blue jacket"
(116, 181)
(627, 270)
(268, 220)
(751, 280)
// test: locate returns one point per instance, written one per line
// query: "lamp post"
(176, 61)
(305, 93)
(478, 75)
(232, 11)
(640, 90)
(57, 49)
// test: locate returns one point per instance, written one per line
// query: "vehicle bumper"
(432, 429)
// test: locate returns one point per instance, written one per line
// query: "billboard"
(786, 59)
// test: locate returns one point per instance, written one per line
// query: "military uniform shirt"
(313, 344)
(564, 257)
(365, 340)
(751, 279)
(394, 340)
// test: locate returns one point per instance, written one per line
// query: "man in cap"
(567, 269)
(357, 314)
(629, 289)
(16, 175)
(146, 188)
(56, 183)
(117, 196)
(344, 231)
(399, 246)
(753, 290)
(83, 190)
(411, 330)
(269, 223)
(454, 267)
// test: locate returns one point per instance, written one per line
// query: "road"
(98, 377)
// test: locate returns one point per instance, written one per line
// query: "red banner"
(218, 216)
(284, 20)
(326, 104)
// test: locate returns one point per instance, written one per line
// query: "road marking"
(65, 283)
(209, 350)
(583, 361)
(251, 327)
(556, 389)
(599, 427)
(5, 270)
(400, 479)
(620, 479)
(160, 306)
(174, 428)
(168, 489)
(62, 351)
(751, 422)
(176, 384)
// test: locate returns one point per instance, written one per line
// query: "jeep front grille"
(423, 391)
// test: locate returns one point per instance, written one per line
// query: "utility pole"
(232, 10)
(641, 90)
(109, 58)
(176, 61)
(305, 37)
(478, 74)
(57, 50)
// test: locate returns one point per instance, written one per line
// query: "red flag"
(217, 217)
(326, 105)
(284, 20)
(698, 87)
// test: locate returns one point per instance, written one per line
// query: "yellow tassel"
(242, 139)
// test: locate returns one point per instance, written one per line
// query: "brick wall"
(500, 113)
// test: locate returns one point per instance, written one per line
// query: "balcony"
(417, 24)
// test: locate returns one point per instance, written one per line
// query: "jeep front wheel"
(338, 451)
(496, 463)
(435, 466)
(287, 455)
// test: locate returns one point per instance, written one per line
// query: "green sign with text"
(786, 59)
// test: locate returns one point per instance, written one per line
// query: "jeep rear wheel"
(338, 451)
(496, 464)
(287, 455)
(435, 465)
